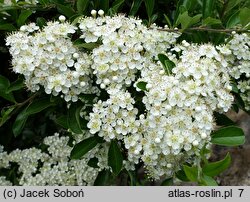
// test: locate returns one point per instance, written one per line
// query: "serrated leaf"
(191, 173)
(83, 147)
(115, 158)
(228, 136)
(23, 17)
(74, 118)
(142, 85)
(81, 5)
(215, 168)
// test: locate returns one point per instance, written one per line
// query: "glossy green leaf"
(83, 147)
(41, 22)
(4, 85)
(81, 5)
(207, 181)
(102, 178)
(181, 175)
(74, 118)
(215, 168)
(135, 7)
(142, 85)
(24, 15)
(104, 4)
(116, 5)
(7, 27)
(16, 85)
(228, 136)
(63, 121)
(6, 112)
(223, 120)
(35, 107)
(149, 7)
(167, 64)
(244, 16)
(191, 173)
(233, 20)
(93, 162)
(115, 158)
(207, 8)
(211, 21)
(186, 21)
(65, 10)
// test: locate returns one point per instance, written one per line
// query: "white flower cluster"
(180, 107)
(125, 46)
(48, 58)
(238, 55)
(53, 166)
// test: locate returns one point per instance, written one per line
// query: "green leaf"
(4, 85)
(215, 168)
(63, 121)
(93, 162)
(102, 178)
(167, 64)
(81, 44)
(207, 8)
(104, 4)
(115, 158)
(244, 16)
(186, 21)
(181, 175)
(228, 136)
(19, 124)
(167, 182)
(116, 5)
(223, 120)
(35, 107)
(142, 85)
(191, 173)
(211, 21)
(135, 7)
(149, 7)
(41, 22)
(65, 10)
(6, 114)
(83, 147)
(208, 181)
(23, 17)
(233, 20)
(81, 6)
(74, 118)
(16, 85)
(7, 27)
